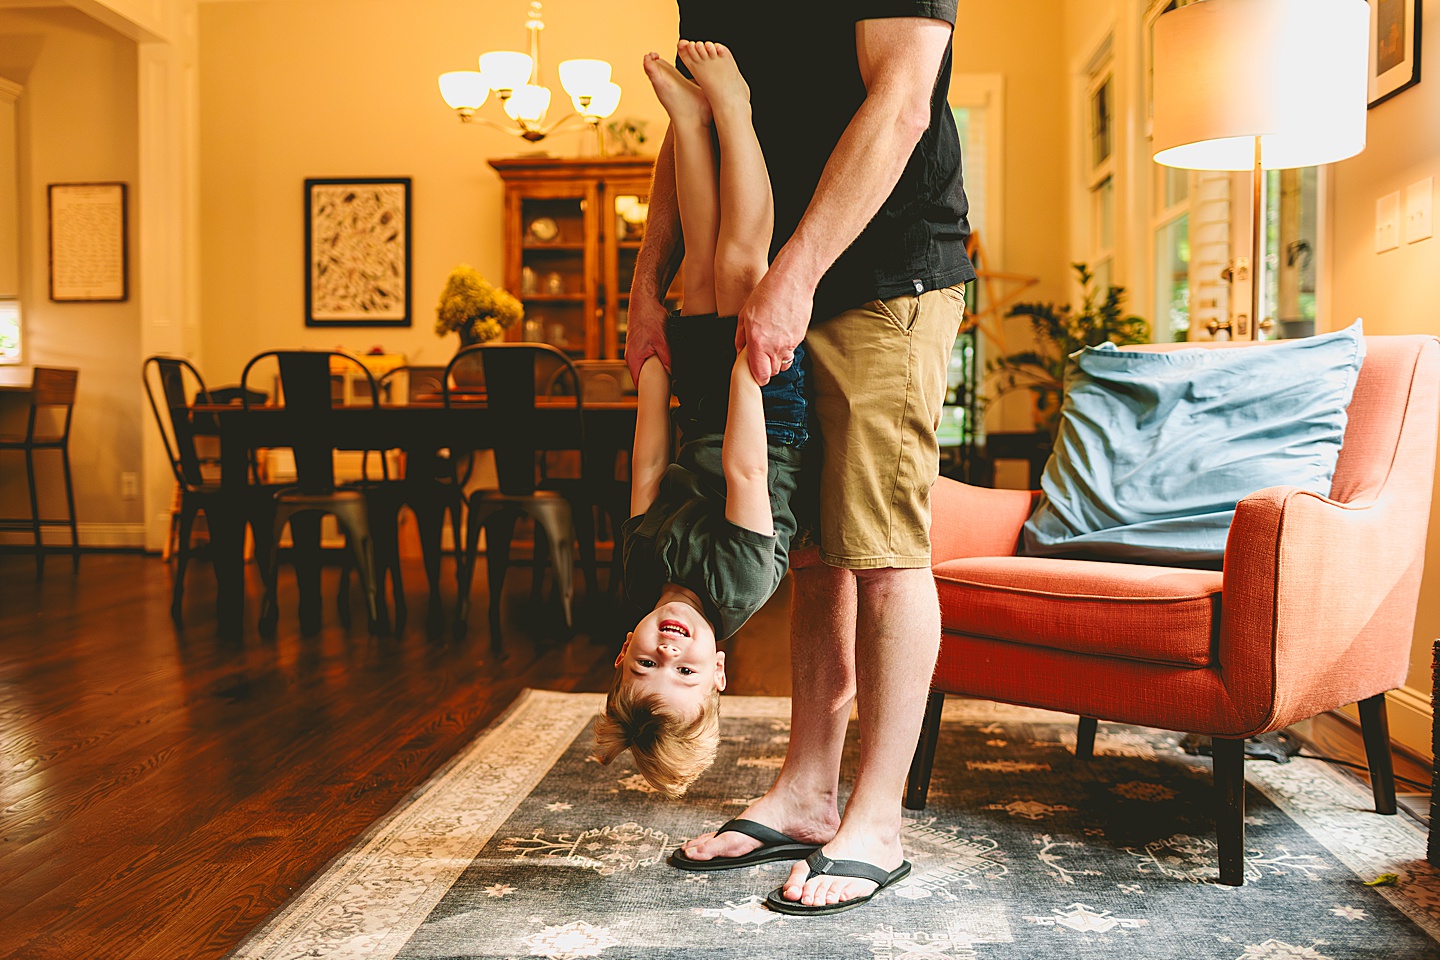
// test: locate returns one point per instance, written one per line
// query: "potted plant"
(475, 308)
(1059, 332)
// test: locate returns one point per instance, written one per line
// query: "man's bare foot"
(777, 812)
(853, 842)
(715, 70)
(681, 98)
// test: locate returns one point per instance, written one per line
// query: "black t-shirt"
(805, 88)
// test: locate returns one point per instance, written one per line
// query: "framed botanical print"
(357, 252)
(1394, 47)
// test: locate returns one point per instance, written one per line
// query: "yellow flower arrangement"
(475, 308)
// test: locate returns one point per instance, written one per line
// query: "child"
(709, 535)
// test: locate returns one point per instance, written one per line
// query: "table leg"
(227, 549)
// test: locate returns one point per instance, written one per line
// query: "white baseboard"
(91, 535)
(1411, 713)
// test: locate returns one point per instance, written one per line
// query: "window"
(1288, 274)
(9, 330)
(1100, 133)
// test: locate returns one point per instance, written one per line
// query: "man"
(867, 256)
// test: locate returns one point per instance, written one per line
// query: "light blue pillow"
(1156, 449)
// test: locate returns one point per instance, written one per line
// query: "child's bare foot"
(681, 98)
(715, 70)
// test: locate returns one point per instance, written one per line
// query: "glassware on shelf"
(529, 283)
(534, 328)
(554, 283)
(556, 335)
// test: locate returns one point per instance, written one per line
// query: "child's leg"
(695, 180)
(747, 210)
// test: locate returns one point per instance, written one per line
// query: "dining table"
(421, 429)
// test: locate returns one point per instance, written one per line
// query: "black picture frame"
(1395, 57)
(356, 253)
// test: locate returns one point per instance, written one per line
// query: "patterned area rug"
(521, 847)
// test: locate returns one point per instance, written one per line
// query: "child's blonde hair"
(670, 751)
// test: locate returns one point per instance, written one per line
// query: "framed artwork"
(89, 255)
(357, 252)
(1394, 47)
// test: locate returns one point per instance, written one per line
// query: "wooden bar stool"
(52, 387)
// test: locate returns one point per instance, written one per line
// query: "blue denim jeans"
(702, 352)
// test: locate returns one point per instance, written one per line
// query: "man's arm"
(655, 265)
(900, 60)
(651, 454)
(745, 454)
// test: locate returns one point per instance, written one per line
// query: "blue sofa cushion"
(1156, 449)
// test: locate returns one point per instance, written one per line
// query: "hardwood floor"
(162, 791)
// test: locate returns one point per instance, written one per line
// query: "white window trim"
(987, 90)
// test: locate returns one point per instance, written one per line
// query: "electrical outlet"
(1417, 210)
(129, 485)
(1387, 222)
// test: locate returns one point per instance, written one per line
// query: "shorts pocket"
(900, 311)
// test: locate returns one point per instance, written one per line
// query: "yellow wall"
(291, 89)
(1395, 292)
(1023, 40)
(78, 121)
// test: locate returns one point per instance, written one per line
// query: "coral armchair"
(1315, 607)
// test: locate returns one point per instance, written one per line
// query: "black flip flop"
(774, 845)
(821, 865)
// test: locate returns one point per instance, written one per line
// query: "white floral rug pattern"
(521, 847)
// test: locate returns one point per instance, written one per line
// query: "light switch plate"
(1387, 222)
(1418, 198)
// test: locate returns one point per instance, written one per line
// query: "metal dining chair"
(514, 376)
(179, 385)
(305, 382)
(433, 482)
(51, 388)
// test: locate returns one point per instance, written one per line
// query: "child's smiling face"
(671, 653)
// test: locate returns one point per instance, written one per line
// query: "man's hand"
(773, 322)
(645, 335)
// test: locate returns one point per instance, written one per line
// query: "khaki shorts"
(878, 389)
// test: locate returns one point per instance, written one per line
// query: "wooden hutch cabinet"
(572, 230)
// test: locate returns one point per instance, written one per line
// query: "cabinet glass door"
(629, 209)
(553, 272)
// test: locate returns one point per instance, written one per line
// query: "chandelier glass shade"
(515, 79)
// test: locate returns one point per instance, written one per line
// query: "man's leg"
(802, 802)
(882, 459)
(898, 639)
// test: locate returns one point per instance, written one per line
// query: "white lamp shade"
(1291, 72)
(464, 89)
(584, 78)
(601, 105)
(528, 103)
(505, 69)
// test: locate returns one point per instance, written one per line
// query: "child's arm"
(651, 454)
(746, 454)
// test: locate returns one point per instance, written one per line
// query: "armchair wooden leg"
(1085, 738)
(1229, 758)
(1375, 727)
(917, 786)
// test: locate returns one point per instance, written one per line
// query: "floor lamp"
(1259, 85)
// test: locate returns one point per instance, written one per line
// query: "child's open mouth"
(674, 628)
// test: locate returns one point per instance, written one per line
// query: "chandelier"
(515, 79)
